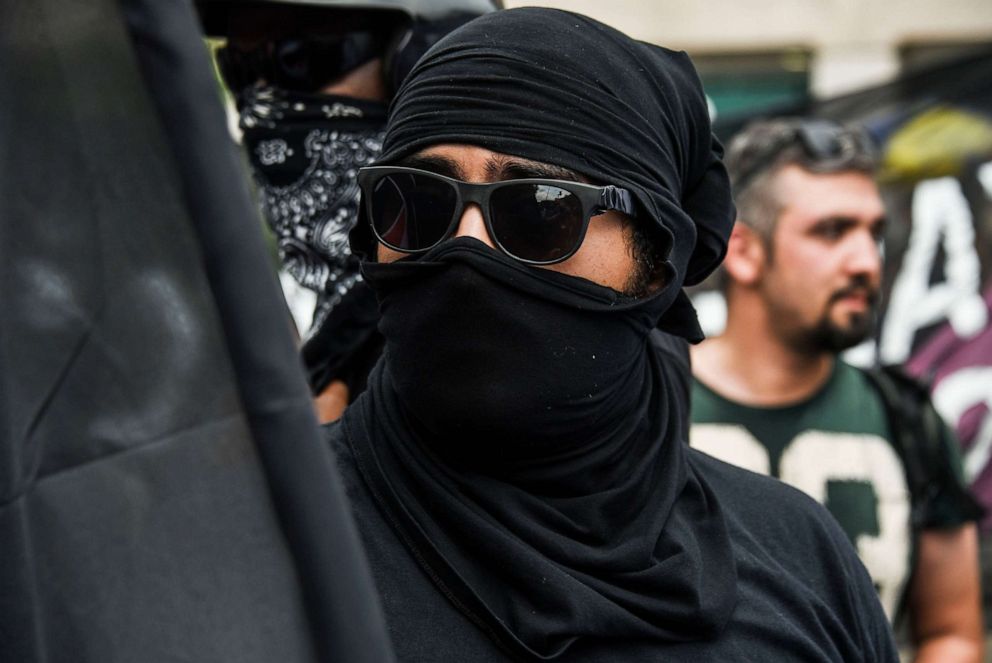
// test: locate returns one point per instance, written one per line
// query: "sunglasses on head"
(823, 140)
(825, 145)
(535, 221)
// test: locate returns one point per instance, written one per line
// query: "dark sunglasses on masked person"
(535, 221)
(301, 64)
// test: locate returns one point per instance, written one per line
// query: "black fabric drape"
(163, 491)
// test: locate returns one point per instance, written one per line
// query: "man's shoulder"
(779, 515)
(747, 488)
(770, 520)
(786, 542)
(851, 376)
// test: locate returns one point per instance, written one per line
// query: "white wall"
(855, 42)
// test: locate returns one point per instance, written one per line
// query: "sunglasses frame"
(823, 142)
(322, 59)
(594, 200)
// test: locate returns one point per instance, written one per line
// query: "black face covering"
(525, 361)
(305, 151)
(521, 437)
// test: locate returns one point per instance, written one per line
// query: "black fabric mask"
(480, 344)
(305, 151)
(520, 437)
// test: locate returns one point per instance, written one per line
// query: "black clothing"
(550, 495)
(164, 491)
(346, 344)
(563, 89)
(520, 436)
(557, 461)
(802, 593)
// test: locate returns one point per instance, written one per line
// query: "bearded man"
(802, 281)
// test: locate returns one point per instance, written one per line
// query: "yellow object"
(935, 144)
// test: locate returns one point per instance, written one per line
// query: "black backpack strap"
(918, 436)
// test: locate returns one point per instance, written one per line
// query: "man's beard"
(832, 337)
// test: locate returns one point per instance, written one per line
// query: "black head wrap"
(519, 434)
(560, 88)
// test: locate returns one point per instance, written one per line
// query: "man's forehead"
(806, 195)
(463, 161)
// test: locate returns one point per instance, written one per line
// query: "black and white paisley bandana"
(305, 151)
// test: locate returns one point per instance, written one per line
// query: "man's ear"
(746, 255)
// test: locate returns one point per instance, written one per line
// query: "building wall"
(855, 43)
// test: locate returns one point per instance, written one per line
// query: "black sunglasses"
(825, 145)
(536, 221)
(302, 64)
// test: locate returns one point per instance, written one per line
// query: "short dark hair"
(758, 152)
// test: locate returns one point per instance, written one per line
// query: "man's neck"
(750, 365)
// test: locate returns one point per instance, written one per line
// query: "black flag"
(164, 494)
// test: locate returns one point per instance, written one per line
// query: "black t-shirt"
(803, 595)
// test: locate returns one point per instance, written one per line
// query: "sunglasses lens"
(821, 140)
(536, 222)
(411, 212)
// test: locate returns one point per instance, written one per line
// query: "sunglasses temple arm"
(617, 199)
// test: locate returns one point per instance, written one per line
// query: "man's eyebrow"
(835, 219)
(508, 168)
(433, 163)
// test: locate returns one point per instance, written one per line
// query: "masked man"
(518, 465)
(802, 281)
(312, 79)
